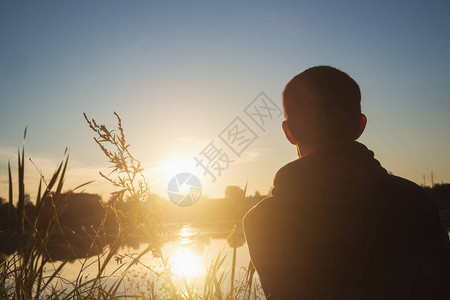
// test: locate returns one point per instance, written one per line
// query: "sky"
(179, 73)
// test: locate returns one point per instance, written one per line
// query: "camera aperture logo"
(184, 189)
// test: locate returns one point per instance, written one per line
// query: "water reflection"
(185, 263)
(184, 260)
(187, 236)
(71, 245)
(192, 248)
(195, 248)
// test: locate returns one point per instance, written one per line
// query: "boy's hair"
(337, 96)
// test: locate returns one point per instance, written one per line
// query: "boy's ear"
(362, 126)
(288, 133)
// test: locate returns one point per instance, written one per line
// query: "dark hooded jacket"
(338, 226)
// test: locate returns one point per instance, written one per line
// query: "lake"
(190, 250)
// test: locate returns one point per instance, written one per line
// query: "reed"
(23, 274)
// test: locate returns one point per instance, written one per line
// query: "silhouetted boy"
(337, 225)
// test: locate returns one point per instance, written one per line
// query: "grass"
(23, 275)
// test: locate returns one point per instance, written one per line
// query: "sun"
(176, 165)
(185, 263)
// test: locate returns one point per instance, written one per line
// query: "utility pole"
(432, 181)
(424, 183)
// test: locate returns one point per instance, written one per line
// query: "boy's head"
(321, 104)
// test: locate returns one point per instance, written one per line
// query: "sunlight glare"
(186, 236)
(185, 263)
(176, 165)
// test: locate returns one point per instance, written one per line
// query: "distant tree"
(233, 193)
(257, 194)
(2, 200)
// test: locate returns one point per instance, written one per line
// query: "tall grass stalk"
(233, 234)
(23, 271)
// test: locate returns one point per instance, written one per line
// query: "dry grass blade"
(10, 208)
(238, 221)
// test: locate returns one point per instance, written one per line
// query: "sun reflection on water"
(184, 262)
(186, 236)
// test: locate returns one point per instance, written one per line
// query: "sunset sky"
(179, 72)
